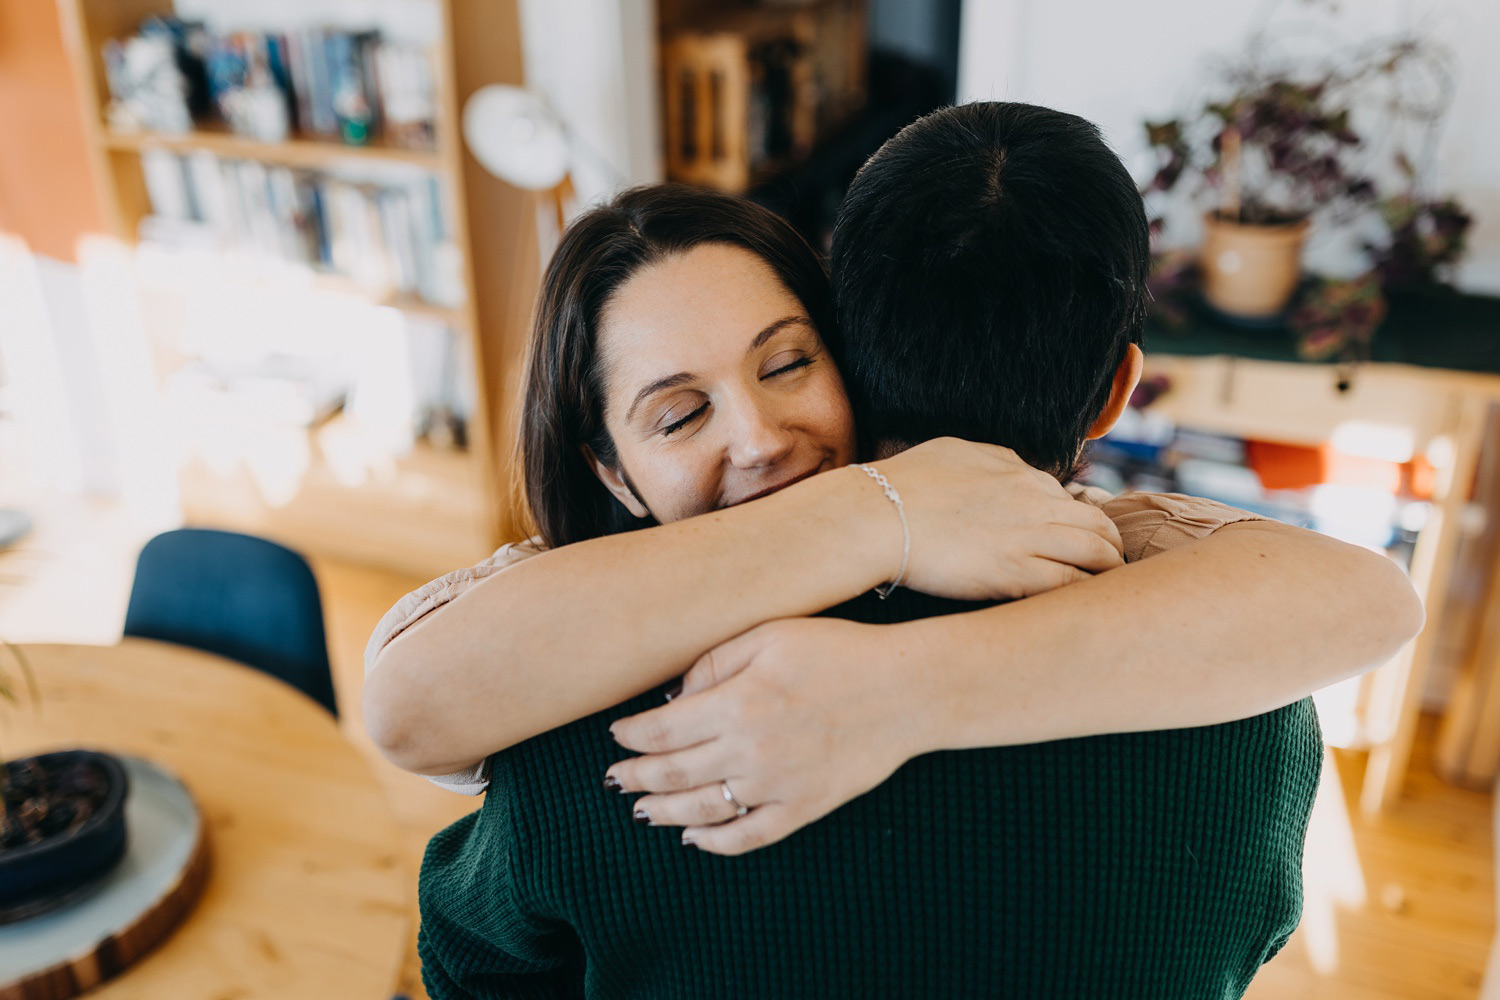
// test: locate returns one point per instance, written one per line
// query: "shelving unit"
(727, 123)
(432, 509)
(1434, 378)
(307, 153)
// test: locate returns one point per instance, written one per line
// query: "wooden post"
(1468, 747)
(1396, 690)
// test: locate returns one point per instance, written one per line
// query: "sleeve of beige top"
(1152, 523)
(423, 601)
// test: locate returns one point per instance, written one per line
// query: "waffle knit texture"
(1144, 865)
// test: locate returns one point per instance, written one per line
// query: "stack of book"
(388, 238)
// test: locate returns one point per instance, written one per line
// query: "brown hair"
(563, 398)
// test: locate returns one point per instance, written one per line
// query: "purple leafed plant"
(1280, 141)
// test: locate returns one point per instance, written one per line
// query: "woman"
(680, 378)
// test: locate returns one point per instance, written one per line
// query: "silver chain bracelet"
(884, 590)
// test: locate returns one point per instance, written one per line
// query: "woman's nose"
(759, 438)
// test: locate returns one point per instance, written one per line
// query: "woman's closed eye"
(780, 365)
(683, 421)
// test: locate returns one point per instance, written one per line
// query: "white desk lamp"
(516, 137)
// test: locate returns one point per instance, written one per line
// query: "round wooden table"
(306, 895)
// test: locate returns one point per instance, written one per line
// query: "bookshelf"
(750, 91)
(431, 508)
(307, 153)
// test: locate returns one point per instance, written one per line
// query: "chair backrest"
(236, 595)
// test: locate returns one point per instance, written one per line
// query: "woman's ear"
(614, 481)
(1127, 376)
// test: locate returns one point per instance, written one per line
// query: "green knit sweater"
(1146, 865)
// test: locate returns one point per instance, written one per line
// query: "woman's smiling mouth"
(779, 486)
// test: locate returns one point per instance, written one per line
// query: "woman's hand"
(799, 716)
(985, 526)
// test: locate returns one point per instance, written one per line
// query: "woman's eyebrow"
(682, 378)
(771, 331)
(669, 382)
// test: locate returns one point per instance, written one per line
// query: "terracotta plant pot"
(1251, 271)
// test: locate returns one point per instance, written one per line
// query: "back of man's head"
(989, 273)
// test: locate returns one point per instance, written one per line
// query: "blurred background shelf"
(297, 151)
(422, 509)
(436, 502)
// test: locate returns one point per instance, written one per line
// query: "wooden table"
(306, 895)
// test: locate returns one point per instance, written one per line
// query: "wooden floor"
(1399, 908)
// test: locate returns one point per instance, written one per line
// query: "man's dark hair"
(989, 273)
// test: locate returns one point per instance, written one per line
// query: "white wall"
(1120, 64)
(595, 63)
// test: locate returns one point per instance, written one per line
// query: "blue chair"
(236, 595)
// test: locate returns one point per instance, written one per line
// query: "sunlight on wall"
(34, 389)
(146, 443)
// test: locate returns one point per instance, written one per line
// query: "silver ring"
(739, 807)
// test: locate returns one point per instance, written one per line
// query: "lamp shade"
(516, 137)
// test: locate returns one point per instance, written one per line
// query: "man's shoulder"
(1150, 523)
(563, 768)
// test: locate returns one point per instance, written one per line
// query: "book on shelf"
(330, 83)
(389, 238)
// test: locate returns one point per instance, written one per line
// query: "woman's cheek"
(688, 485)
(837, 416)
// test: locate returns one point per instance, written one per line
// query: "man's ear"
(1126, 378)
(614, 481)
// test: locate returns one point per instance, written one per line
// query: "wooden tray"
(133, 908)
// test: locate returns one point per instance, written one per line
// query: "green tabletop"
(1452, 331)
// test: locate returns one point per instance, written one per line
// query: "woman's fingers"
(724, 661)
(683, 722)
(702, 806)
(669, 772)
(757, 828)
(1091, 519)
(703, 673)
(1078, 547)
(1041, 575)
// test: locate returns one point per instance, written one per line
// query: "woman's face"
(718, 389)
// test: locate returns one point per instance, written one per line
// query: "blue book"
(320, 92)
(319, 221)
(281, 75)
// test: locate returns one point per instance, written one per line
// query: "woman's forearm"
(568, 632)
(1251, 618)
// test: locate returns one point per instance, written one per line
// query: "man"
(990, 270)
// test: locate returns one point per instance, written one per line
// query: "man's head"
(989, 276)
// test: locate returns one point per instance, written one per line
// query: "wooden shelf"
(308, 153)
(406, 302)
(427, 511)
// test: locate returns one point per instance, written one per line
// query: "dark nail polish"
(688, 842)
(674, 690)
(642, 817)
(612, 784)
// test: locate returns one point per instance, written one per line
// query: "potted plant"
(1336, 319)
(63, 824)
(1279, 147)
